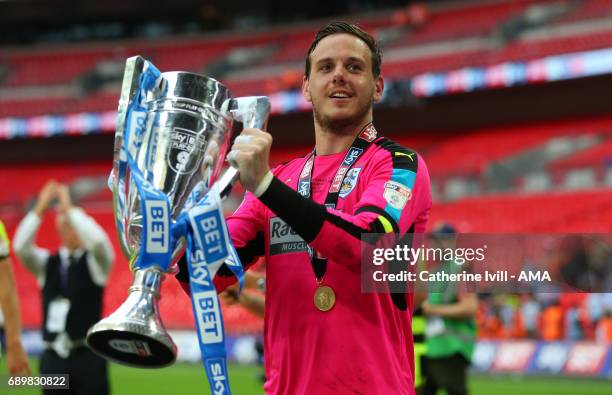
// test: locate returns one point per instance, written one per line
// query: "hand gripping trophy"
(173, 132)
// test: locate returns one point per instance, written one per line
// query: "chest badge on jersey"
(396, 194)
(349, 182)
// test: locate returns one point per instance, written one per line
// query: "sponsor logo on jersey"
(283, 239)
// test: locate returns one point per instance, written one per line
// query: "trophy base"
(131, 349)
(134, 334)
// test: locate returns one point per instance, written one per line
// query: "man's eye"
(325, 67)
(354, 67)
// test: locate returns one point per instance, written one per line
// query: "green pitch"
(188, 379)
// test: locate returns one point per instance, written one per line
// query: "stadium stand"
(468, 157)
(408, 54)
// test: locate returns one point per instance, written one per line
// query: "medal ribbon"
(361, 143)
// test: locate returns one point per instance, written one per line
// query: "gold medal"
(324, 298)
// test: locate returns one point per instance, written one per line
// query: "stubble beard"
(346, 125)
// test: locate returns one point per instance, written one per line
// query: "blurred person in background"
(603, 331)
(451, 325)
(16, 357)
(530, 312)
(322, 334)
(253, 299)
(419, 323)
(72, 281)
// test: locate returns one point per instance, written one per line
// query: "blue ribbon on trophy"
(209, 246)
(163, 165)
(155, 208)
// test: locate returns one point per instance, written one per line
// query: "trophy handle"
(253, 112)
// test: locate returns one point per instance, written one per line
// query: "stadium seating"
(587, 9)
(598, 156)
(539, 213)
(28, 107)
(463, 21)
(64, 66)
(48, 68)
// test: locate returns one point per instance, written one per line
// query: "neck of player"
(332, 141)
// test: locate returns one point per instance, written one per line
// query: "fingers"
(19, 365)
(255, 147)
(63, 194)
(23, 370)
(248, 145)
(243, 139)
(46, 195)
(49, 189)
(250, 154)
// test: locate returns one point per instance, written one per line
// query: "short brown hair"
(343, 27)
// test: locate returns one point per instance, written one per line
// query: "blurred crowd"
(546, 316)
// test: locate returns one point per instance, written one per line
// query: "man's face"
(341, 85)
(66, 232)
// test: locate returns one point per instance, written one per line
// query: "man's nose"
(339, 76)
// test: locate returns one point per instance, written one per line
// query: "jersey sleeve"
(396, 200)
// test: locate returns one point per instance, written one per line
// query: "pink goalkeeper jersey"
(363, 345)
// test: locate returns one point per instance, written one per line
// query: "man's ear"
(379, 86)
(305, 86)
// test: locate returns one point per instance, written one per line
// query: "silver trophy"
(184, 144)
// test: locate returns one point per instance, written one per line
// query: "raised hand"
(45, 196)
(250, 154)
(63, 194)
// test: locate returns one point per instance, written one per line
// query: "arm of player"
(31, 256)
(255, 303)
(17, 359)
(90, 232)
(398, 193)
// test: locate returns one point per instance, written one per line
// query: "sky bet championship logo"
(181, 156)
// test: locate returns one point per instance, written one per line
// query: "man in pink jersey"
(323, 335)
